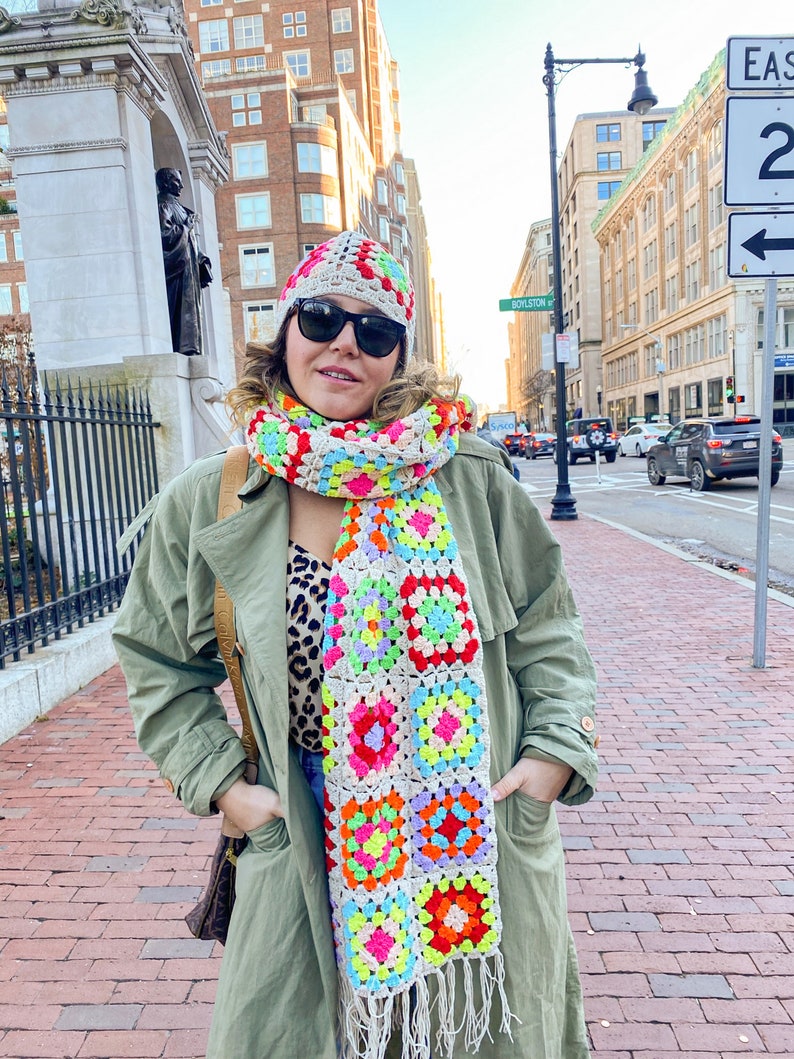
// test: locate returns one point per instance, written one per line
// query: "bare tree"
(535, 391)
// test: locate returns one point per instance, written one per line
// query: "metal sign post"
(759, 139)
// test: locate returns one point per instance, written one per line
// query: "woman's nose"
(346, 339)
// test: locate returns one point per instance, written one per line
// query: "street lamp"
(659, 362)
(563, 504)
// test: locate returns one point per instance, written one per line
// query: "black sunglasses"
(321, 321)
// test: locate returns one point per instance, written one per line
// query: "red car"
(539, 444)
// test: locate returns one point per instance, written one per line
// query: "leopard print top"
(307, 591)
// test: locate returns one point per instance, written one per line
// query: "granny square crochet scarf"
(410, 834)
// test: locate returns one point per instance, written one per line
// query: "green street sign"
(531, 304)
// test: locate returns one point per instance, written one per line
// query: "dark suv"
(586, 436)
(705, 450)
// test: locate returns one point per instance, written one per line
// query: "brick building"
(308, 98)
(14, 316)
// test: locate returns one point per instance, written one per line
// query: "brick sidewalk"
(680, 870)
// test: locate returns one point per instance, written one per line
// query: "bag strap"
(233, 476)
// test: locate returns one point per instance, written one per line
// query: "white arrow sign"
(761, 244)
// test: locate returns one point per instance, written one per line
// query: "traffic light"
(740, 398)
(730, 393)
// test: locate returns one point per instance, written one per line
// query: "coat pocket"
(270, 837)
(529, 820)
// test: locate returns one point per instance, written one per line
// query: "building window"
(607, 188)
(692, 280)
(717, 267)
(299, 62)
(294, 24)
(631, 273)
(399, 203)
(22, 294)
(214, 35)
(669, 192)
(259, 321)
(317, 158)
(308, 247)
(715, 206)
(341, 21)
(717, 337)
(253, 211)
(383, 230)
(692, 399)
(249, 32)
(343, 61)
(652, 306)
(671, 293)
(352, 100)
(607, 133)
(247, 64)
(381, 192)
(245, 109)
(216, 68)
(6, 308)
(608, 160)
(17, 237)
(694, 344)
(399, 173)
(715, 146)
(250, 160)
(256, 266)
(4, 248)
(670, 242)
(650, 259)
(650, 130)
(691, 224)
(211, 3)
(691, 170)
(649, 213)
(320, 209)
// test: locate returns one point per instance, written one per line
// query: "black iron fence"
(77, 464)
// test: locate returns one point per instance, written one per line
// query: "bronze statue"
(187, 269)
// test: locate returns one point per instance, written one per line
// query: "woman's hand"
(249, 805)
(542, 780)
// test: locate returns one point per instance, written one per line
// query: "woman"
(426, 699)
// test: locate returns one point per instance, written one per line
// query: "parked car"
(516, 442)
(706, 450)
(585, 436)
(639, 438)
(539, 444)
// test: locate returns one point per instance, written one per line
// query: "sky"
(475, 120)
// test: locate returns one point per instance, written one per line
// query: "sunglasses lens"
(377, 335)
(320, 321)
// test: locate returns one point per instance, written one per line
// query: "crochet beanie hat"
(358, 267)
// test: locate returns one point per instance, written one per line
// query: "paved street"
(681, 870)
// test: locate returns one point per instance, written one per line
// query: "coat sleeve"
(165, 640)
(546, 651)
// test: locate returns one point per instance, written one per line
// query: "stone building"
(530, 389)
(675, 326)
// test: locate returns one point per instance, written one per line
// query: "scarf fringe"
(367, 1022)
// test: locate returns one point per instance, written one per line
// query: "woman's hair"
(265, 374)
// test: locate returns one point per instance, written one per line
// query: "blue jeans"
(311, 762)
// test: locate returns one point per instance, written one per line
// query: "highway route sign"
(759, 151)
(761, 244)
(760, 64)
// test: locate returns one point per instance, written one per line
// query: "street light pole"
(563, 503)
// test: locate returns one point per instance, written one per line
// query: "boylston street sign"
(529, 304)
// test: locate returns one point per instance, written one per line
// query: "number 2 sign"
(759, 151)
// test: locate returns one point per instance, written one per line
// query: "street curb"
(31, 688)
(729, 575)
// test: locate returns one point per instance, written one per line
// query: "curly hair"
(265, 374)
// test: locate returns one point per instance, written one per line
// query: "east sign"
(765, 63)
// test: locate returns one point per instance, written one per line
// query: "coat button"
(588, 724)
(168, 786)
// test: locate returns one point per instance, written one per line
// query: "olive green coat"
(277, 991)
